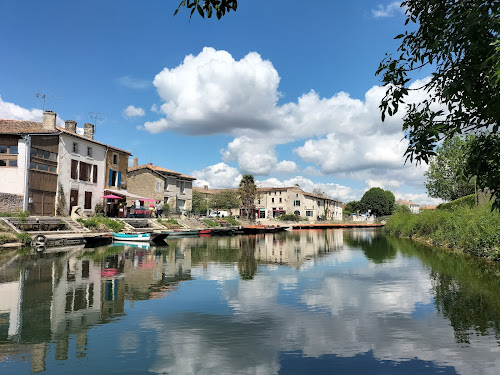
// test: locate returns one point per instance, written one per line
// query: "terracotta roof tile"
(67, 132)
(22, 127)
(158, 169)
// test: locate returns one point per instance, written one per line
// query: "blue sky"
(285, 90)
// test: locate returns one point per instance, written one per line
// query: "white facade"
(273, 202)
(77, 148)
(14, 180)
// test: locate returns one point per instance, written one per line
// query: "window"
(89, 152)
(88, 200)
(75, 147)
(309, 213)
(158, 186)
(182, 187)
(94, 174)
(115, 159)
(269, 193)
(281, 200)
(114, 178)
(296, 203)
(319, 203)
(8, 155)
(74, 169)
(272, 200)
(259, 201)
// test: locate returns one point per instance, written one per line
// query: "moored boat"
(131, 237)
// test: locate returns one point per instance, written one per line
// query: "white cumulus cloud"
(389, 10)
(217, 176)
(132, 111)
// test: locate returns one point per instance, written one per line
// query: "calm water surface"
(303, 302)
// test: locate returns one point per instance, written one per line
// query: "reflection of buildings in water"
(62, 294)
(362, 234)
(301, 245)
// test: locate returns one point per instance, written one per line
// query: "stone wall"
(11, 202)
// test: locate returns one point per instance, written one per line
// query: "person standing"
(159, 209)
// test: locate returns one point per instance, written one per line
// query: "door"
(42, 203)
(73, 199)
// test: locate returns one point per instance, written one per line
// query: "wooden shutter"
(88, 200)
(94, 177)
(83, 171)
(74, 169)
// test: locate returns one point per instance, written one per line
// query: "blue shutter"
(119, 179)
(110, 179)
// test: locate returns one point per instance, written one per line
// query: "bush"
(98, 222)
(166, 209)
(169, 223)
(467, 201)
(99, 209)
(289, 217)
(24, 237)
(474, 230)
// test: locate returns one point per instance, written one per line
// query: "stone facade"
(11, 202)
(144, 183)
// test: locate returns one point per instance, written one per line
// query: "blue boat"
(132, 237)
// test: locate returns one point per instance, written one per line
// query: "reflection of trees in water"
(465, 308)
(247, 265)
(376, 246)
(465, 290)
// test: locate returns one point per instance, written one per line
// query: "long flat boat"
(132, 237)
(184, 233)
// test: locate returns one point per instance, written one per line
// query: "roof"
(22, 127)
(34, 127)
(406, 203)
(432, 207)
(76, 135)
(160, 170)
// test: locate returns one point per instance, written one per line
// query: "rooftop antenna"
(44, 96)
(96, 116)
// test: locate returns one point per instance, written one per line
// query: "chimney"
(136, 162)
(49, 120)
(205, 187)
(70, 126)
(88, 130)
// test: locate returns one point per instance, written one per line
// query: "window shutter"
(110, 178)
(119, 179)
(94, 177)
(74, 169)
(82, 171)
(88, 200)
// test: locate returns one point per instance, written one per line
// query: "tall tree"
(446, 177)
(199, 203)
(379, 201)
(225, 200)
(247, 193)
(459, 41)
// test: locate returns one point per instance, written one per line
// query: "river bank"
(474, 231)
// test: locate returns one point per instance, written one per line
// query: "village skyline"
(289, 96)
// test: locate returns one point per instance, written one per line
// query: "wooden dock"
(337, 225)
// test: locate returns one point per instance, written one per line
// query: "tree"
(225, 200)
(446, 178)
(199, 202)
(379, 201)
(221, 7)
(61, 201)
(401, 208)
(459, 41)
(319, 192)
(247, 193)
(352, 207)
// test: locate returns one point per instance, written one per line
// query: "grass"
(211, 223)
(169, 223)
(102, 223)
(7, 238)
(474, 231)
(231, 220)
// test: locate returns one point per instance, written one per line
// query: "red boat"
(206, 231)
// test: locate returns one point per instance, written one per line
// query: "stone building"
(414, 207)
(39, 160)
(161, 184)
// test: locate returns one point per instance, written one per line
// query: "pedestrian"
(159, 209)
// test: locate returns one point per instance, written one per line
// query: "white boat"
(132, 237)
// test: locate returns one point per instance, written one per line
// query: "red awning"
(111, 196)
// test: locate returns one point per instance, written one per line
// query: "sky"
(283, 90)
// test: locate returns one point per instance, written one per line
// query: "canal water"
(301, 302)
